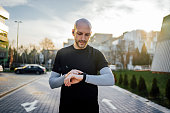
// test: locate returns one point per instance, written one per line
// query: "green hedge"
(161, 81)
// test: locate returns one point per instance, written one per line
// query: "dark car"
(32, 68)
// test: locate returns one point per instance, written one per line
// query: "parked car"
(1, 68)
(112, 67)
(30, 68)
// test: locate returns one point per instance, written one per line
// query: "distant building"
(161, 60)
(139, 37)
(103, 42)
(70, 42)
(4, 15)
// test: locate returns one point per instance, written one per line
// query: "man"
(75, 70)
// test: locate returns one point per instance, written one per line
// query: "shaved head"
(81, 33)
(82, 21)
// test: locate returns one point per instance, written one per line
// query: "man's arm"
(56, 80)
(106, 78)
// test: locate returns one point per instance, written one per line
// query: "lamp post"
(17, 36)
(17, 31)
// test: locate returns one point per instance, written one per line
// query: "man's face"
(81, 35)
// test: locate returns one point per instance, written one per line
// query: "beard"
(81, 46)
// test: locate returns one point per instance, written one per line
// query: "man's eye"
(87, 34)
(79, 33)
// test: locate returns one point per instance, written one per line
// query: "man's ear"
(73, 32)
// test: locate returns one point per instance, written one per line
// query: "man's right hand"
(73, 77)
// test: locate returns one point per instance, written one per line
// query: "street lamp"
(17, 36)
(17, 31)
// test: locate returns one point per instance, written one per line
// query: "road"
(11, 81)
(37, 97)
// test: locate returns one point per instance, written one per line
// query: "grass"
(148, 76)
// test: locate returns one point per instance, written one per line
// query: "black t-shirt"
(88, 60)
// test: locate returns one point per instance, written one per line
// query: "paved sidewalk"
(37, 97)
(10, 81)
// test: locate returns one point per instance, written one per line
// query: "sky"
(55, 19)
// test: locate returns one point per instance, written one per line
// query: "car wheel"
(38, 73)
(17, 72)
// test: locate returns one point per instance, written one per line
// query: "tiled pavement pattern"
(123, 102)
(9, 81)
(48, 100)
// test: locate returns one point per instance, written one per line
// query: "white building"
(103, 42)
(161, 59)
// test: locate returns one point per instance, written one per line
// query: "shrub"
(167, 91)
(142, 87)
(125, 81)
(133, 83)
(155, 89)
(120, 79)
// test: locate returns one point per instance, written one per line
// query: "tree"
(120, 53)
(125, 81)
(144, 49)
(133, 83)
(167, 91)
(142, 87)
(47, 44)
(145, 58)
(15, 59)
(155, 89)
(10, 56)
(120, 79)
(33, 56)
(115, 77)
(127, 57)
(136, 57)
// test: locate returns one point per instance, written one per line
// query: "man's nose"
(83, 37)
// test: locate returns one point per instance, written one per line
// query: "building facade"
(161, 59)
(4, 15)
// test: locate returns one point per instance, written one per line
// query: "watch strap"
(84, 77)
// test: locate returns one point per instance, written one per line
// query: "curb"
(12, 90)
